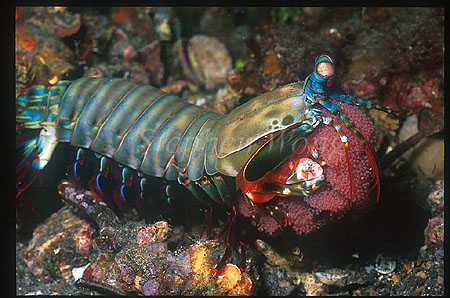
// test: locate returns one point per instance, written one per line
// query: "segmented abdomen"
(139, 126)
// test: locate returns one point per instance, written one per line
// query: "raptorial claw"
(281, 217)
(296, 176)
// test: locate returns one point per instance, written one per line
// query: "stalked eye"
(325, 69)
(324, 66)
(323, 58)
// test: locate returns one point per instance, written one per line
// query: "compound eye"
(325, 69)
(324, 57)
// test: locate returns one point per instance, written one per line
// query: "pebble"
(427, 265)
(77, 273)
(409, 267)
(369, 268)
(38, 292)
(332, 277)
(311, 285)
(272, 256)
(427, 156)
(396, 279)
(436, 196)
(427, 159)
(209, 59)
(383, 265)
(409, 128)
(421, 274)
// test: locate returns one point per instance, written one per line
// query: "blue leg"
(337, 111)
(210, 189)
(357, 101)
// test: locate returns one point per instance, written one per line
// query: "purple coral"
(434, 237)
(151, 287)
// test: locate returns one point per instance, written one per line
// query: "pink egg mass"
(338, 196)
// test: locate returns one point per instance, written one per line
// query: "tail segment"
(38, 106)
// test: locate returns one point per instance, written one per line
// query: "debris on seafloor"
(280, 275)
(434, 231)
(41, 55)
(285, 54)
(59, 244)
(111, 43)
(205, 63)
(136, 22)
(209, 59)
(417, 145)
(342, 277)
(133, 50)
(426, 161)
(394, 60)
(436, 198)
(434, 238)
(130, 257)
(226, 99)
(384, 265)
(151, 57)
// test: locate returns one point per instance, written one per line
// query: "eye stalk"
(324, 66)
(315, 84)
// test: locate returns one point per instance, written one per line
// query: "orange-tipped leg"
(373, 165)
(344, 140)
(230, 238)
(350, 171)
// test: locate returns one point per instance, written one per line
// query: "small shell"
(77, 273)
(332, 277)
(383, 265)
(209, 59)
(229, 276)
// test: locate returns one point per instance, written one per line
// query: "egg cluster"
(333, 199)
